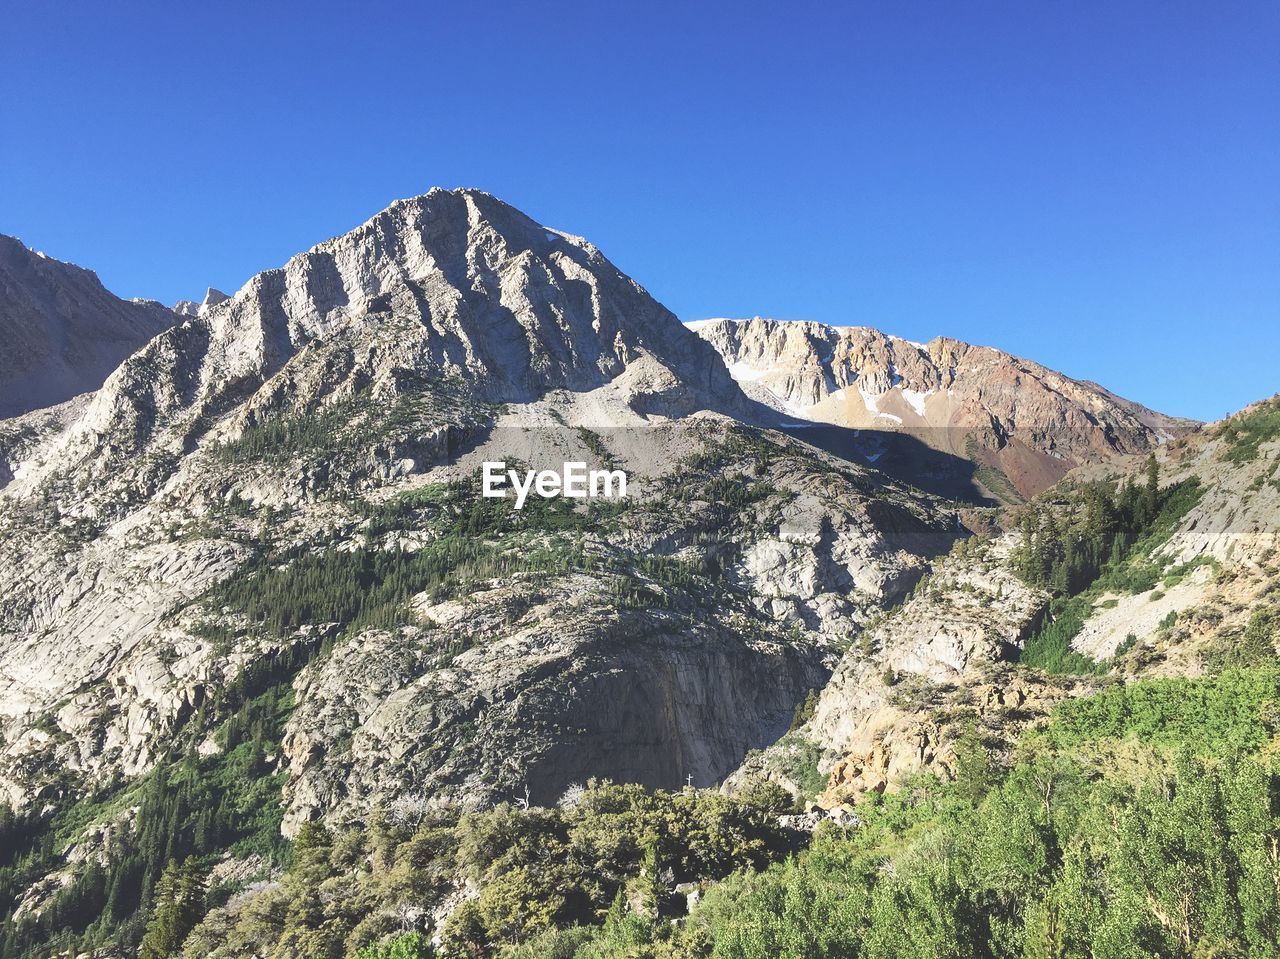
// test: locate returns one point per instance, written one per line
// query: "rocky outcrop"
(63, 333)
(530, 684)
(951, 642)
(211, 299)
(941, 664)
(917, 678)
(274, 503)
(571, 689)
(1220, 579)
(448, 291)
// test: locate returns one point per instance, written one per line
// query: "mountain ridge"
(1012, 416)
(64, 332)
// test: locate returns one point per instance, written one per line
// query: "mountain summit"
(476, 289)
(450, 291)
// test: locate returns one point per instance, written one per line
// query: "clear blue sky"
(1093, 185)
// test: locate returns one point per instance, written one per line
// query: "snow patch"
(916, 400)
(899, 339)
(746, 373)
(873, 407)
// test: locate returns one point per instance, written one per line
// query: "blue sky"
(1093, 185)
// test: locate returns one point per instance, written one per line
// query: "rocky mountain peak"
(212, 298)
(451, 286)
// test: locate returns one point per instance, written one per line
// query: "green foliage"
(411, 945)
(1050, 647)
(1256, 644)
(1245, 433)
(179, 905)
(975, 773)
(331, 431)
(188, 810)
(1177, 574)
(1068, 547)
(1215, 715)
(1130, 641)
(539, 872)
(369, 587)
(1044, 859)
(285, 436)
(801, 758)
(1098, 543)
(804, 712)
(1065, 852)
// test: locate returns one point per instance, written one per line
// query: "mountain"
(276, 679)
(63, 331)
(1007, 427)
(212, 297)
(280, 493)
(450, 286)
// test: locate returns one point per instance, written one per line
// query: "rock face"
(1227, 546)
(948, 647)
(899, 700)
(1011, 427)
(450, 287)
(63, 333)
(559, 679)
(212, 298)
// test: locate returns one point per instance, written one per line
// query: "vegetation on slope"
(189, 810)
(536, 870)
(1245, 433)
(1101, 539)
(1143, 822)
(196, 806)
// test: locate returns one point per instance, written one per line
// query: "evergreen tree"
(179, 906)
(1151, 493)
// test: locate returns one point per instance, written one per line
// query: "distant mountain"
(212, 298)
(63, 332)
(1011, 426)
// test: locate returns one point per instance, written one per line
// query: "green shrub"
(412, 945)
(1244, 434)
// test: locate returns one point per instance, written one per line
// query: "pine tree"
(1151, 492)
(652, 891)
(179, 906)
